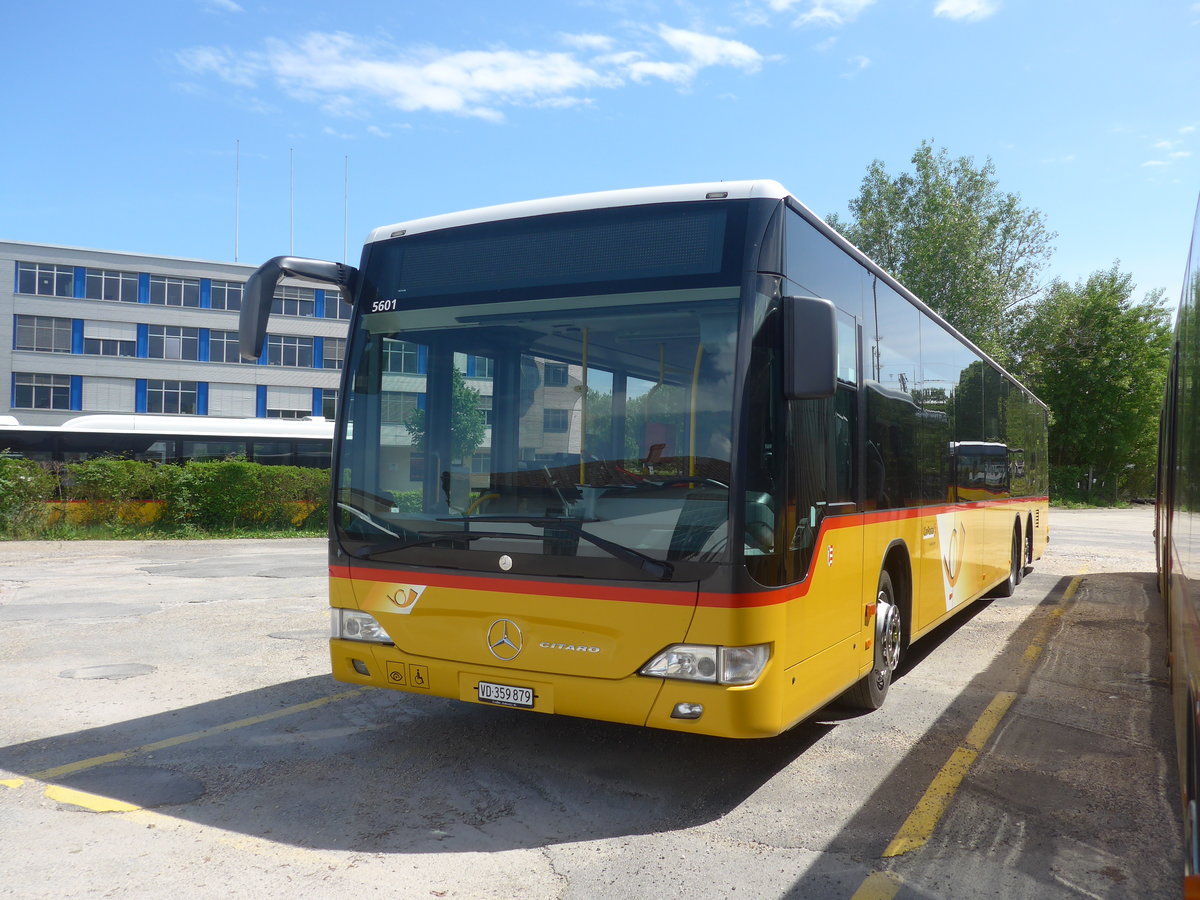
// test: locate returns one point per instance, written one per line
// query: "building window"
(177, 397)
(46, 334)
(481, 367)
(227, 295)
(287, 350)
(109, 347)
(335, 306)
(334, 353)
(33, 390)
(223, 347)
(396, 406)
(101, 284)
(294, 301)
(329, 398)
(401, 357)
(556, 420)
(167, 291)
(287, 413)
(45, 280)
(173, 342)
(555, 375)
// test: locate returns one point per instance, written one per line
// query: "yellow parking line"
(918, 827)
(83, 799)
(84, 764)
(879, 886)
(921, 822)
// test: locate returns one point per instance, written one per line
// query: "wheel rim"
(887, 638)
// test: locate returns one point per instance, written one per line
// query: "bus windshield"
(538, 430)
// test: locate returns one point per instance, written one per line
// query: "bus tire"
(872, 689)
(1016, 566)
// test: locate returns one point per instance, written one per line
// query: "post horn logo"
(406, 597)
(953, 559)
(504, 639)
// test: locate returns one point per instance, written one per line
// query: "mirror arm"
(259, 293)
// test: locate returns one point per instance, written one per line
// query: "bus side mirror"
(259, 293)
(810, 348)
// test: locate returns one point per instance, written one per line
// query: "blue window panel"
(143, 288)
(319, 306)
(260, 401)
(77, 392)
(205, 295)
(202, 398)
(318, 352)
(143, 344)
(77, 336)
(80, 285)
(421, 401)
(470, 366)
(139, 394)
(317, 405)
(422, 359)
(202, 347)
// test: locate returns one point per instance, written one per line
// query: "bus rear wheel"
(871, 690)
(1016, 566)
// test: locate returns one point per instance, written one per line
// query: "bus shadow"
(385, 772)
(377, 771)
(1097, 700)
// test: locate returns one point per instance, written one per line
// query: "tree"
(949, 235)
(1099, 360)
(468, 422)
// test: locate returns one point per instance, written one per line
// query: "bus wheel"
(1016, 567)
(871, 690)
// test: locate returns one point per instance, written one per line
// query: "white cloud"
(857, 64)
(966, 10)
(1151, 163)
(596, 42)
(704, 50)
(832, 13)
(822, 12)
(229, 66)
(224, 6)
(346, 74)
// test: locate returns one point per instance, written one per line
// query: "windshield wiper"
(422, 538)
(648, 564)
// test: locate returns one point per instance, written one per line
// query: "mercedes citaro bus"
(678, 457)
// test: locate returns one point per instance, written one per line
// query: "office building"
(92, 331)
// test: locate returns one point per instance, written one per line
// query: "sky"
(244, 129)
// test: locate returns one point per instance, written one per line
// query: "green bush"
(231, 494)
(114, 480)
(25, 486)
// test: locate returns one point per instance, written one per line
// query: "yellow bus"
(673, 457)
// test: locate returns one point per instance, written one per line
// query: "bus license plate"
(505, 695)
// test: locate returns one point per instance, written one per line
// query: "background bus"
(1177, 542)
(175, 439)
(673, 457)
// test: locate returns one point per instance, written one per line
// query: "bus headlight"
(715, 665)
(353, 625)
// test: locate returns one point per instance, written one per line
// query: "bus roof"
(314, 428)
(713, 190)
